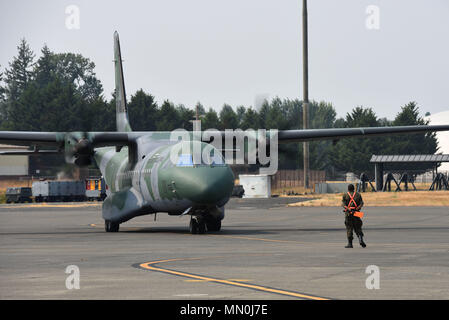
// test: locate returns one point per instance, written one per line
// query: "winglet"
(120, 94)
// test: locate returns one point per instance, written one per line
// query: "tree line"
(61, 92)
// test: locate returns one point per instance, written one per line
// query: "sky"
(241, 51)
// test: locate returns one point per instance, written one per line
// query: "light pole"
(305, 103)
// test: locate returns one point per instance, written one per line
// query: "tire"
(193, 227)
(110, 226)
(202, 227)
(213, 225)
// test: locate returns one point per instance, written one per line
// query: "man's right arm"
(344, 202)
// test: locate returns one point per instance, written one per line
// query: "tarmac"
(265, 250)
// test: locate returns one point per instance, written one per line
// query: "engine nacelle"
(78, 149)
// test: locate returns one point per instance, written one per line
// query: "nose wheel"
(197, 225)
(213, 224)
(110, 226)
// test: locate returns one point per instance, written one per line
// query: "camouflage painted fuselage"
(155, 184)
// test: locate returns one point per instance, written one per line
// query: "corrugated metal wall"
(295, 178)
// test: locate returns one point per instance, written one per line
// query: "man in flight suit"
(352, 202)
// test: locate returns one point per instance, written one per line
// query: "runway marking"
(152, 267)
(236, 280)
(47, 205)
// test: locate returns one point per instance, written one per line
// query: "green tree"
(322, 115)
(353, 154)
(143, 112)
(412, 143)
(59, 87)
(185, 116)
(44, 71)
(241, 110)
(210, 120)
(16, 78)
(168, 117)
(250, 120)
(76, 69)
(20, 71)
(228, 118)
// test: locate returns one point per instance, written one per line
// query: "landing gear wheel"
(193, 227)
(213, 225)
(202, 227)
(110, 226)
(197, 226)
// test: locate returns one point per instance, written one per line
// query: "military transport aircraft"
(142, 179)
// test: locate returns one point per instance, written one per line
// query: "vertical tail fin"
(120, 95)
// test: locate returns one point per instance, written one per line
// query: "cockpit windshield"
(212, 159)
(185, 160)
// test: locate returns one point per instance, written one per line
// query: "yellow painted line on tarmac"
(46, 205)
(240, 280)
(152, 266)
(237, 280)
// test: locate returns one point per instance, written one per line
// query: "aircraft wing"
(286, 136)
(78, 147)
(28, 138)
(57, 139)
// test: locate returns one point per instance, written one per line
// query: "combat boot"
(362, 243)
(349, 245)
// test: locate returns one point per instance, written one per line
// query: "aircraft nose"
(205, 185)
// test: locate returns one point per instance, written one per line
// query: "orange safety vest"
(349, 207)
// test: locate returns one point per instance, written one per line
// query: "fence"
(295, 178)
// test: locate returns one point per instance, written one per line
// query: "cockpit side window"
(213, 159)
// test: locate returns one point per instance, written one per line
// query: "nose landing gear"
(110, 226)
(213, 224)
(197, 225)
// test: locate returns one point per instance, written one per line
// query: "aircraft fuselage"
(154, 183)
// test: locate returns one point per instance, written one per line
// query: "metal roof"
(410, 158)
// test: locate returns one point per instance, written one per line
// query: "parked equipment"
(54, 191)
(95, 189)
(18, 195)
(238, 191)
